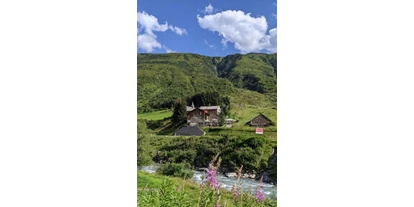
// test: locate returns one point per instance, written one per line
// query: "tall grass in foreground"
(170, 195)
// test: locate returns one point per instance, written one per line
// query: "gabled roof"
(209, 107)
(190, 131)
(189, 108)
(259, 116)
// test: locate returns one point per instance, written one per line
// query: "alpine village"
(200, 116)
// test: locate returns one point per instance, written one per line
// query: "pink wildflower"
(236, 193)
(259, 192)
(211, 178)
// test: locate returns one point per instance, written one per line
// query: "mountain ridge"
(162, 78)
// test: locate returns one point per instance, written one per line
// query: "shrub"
(177, 170)
(143, 151)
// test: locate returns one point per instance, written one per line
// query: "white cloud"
(147, 42)
(209, 9)
(168, 50)
(274, 15)
(150, 23)
(275, 4)
(272, 40)
(177, 30)
(248, 34)
(212, 45)
(146, 38)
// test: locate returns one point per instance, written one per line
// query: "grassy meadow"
(156, 115)
(154, 181)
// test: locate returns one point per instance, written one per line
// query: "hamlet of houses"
(206, 116)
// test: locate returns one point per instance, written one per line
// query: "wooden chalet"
(260, 121)
(203, 116)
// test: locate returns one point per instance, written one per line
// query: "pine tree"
(180, 113)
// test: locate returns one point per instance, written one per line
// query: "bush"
(181, 170)
(143, 151)
(154, 124)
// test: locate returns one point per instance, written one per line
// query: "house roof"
(190, 131)
(209, 107)
(189, 108)
(259, 116)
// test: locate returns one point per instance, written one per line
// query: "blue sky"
(212, 28)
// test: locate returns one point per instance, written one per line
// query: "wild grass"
(156, 115)
(147, 181)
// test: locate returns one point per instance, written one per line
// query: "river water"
(227, 183)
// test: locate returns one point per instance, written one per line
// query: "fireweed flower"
(236, 193)
(259, 192)
(211, 178)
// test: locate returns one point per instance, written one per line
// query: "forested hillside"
(162, 78)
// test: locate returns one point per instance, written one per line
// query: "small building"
(229, 122)
(190, 131)
(260, 120)
(203, 116)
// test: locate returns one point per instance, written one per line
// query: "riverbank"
(226, 183)
(147, 181)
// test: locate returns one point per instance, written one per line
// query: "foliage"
(154, 124)
(222, 118)
(250, 151)
(171, 192)
(143, 151)
(181, 170)
(142, 127)
(256, 72)
(162, 78)
(167, 196)
(180, 113)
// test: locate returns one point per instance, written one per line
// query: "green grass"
(245, 105)
(147, 181)
(162, 78)
(270, 133)
(157, 115)
(154, 181)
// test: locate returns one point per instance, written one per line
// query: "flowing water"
(227, 183)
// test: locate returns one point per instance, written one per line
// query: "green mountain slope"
(162, 78)
(256, 72)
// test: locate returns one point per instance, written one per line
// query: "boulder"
(231, 175)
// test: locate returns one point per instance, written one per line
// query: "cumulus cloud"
(177, 30)
(212, 45)
(248, 34)
(150, 23)
(209, 9)
(146, 38)
(274, 15)
(272, 37)
(168, 50)
(148, 42)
